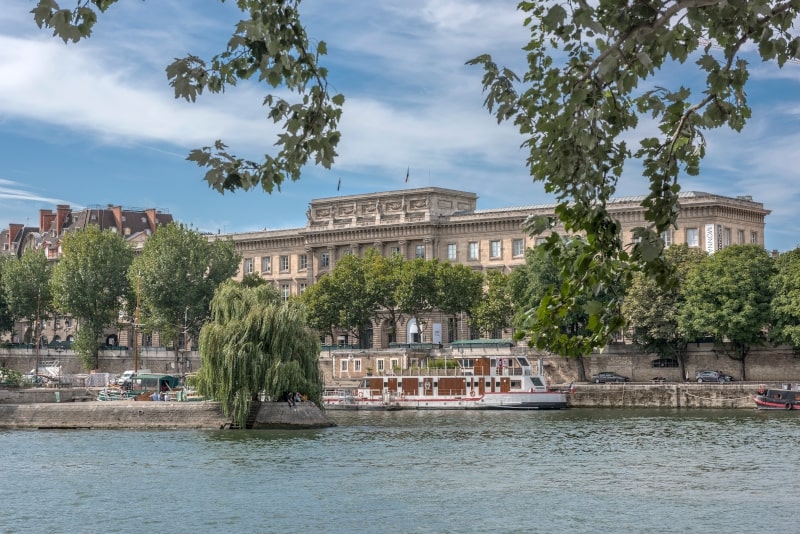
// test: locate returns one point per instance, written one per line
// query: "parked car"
(608, 376)
(665, 362)
(712, 376)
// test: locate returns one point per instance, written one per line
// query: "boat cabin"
(155, 382)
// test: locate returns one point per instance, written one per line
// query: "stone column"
(403, 245)
(428, 241)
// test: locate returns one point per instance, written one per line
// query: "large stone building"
(446, 224)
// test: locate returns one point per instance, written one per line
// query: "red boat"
(777, 399)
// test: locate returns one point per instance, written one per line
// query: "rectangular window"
(692, 237)
(394, 363)
(248, 265)
(303, 262)
(740, 237)
(284, 265)
(754, 238)
(395, 250)
(419, 251)
(451, 251)
(302, 287)
(285, 292)
(380, 365)
(325, 259)
(357, 366)
(266, 264)
(540, 241)
(726, 239)
(666, 237)
(472, 253)
(451, 329)
(518, 248)
(343, 365)
(495, 249)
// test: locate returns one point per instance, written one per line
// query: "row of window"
(495, 249)
(473, 253)
(723, 237)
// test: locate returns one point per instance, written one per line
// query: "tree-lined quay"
(577, 106)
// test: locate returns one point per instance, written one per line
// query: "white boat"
(487, 383)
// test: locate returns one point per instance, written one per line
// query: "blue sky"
(95, 123)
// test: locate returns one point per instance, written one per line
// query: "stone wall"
(689, 395)
(116, 414)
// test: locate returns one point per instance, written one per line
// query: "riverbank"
(663, 395)
(129, 414)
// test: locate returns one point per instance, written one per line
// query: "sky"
(96, 123)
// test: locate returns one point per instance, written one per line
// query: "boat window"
(516, 384)
(537, 381)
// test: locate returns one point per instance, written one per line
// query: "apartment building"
(446, 224)
(134, 224)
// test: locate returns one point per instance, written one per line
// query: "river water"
(578, 470)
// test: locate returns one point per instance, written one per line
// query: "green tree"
(340, 300)
(416, 292)
(459, 289)
(786, 300)
(356, 306)
(322, 307)
(269, 45)
(652, 311)
(495, 310)
(590, 76)
(26, 283)
(255, 344)
(532, 287)
(382, 277)
(727, 296)
(89, 282)
(176, 274)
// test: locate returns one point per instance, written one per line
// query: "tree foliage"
(590, 78)
(459, 288)
(727, 296)
(26, 287)
(536, 285)
(652, 312)
(90, 282)
(269, 45)
(176, 275)
(255, 344)
(417, 291)
(494, 311)
(786, 299)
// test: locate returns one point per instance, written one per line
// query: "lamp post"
(37, 341)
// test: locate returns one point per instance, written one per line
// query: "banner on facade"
(437, 332)
(710, 238)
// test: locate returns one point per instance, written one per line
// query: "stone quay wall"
(689, 395)
(113, 415)
(130, 414)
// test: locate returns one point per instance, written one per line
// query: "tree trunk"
(581, 369)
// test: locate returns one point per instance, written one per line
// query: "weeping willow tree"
(254, 343)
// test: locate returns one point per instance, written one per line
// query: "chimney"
(62, 212)
(45, 218)
(152, 219)
(117, 212)
(13, 231)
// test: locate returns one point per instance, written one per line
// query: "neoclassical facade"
(446, 224)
